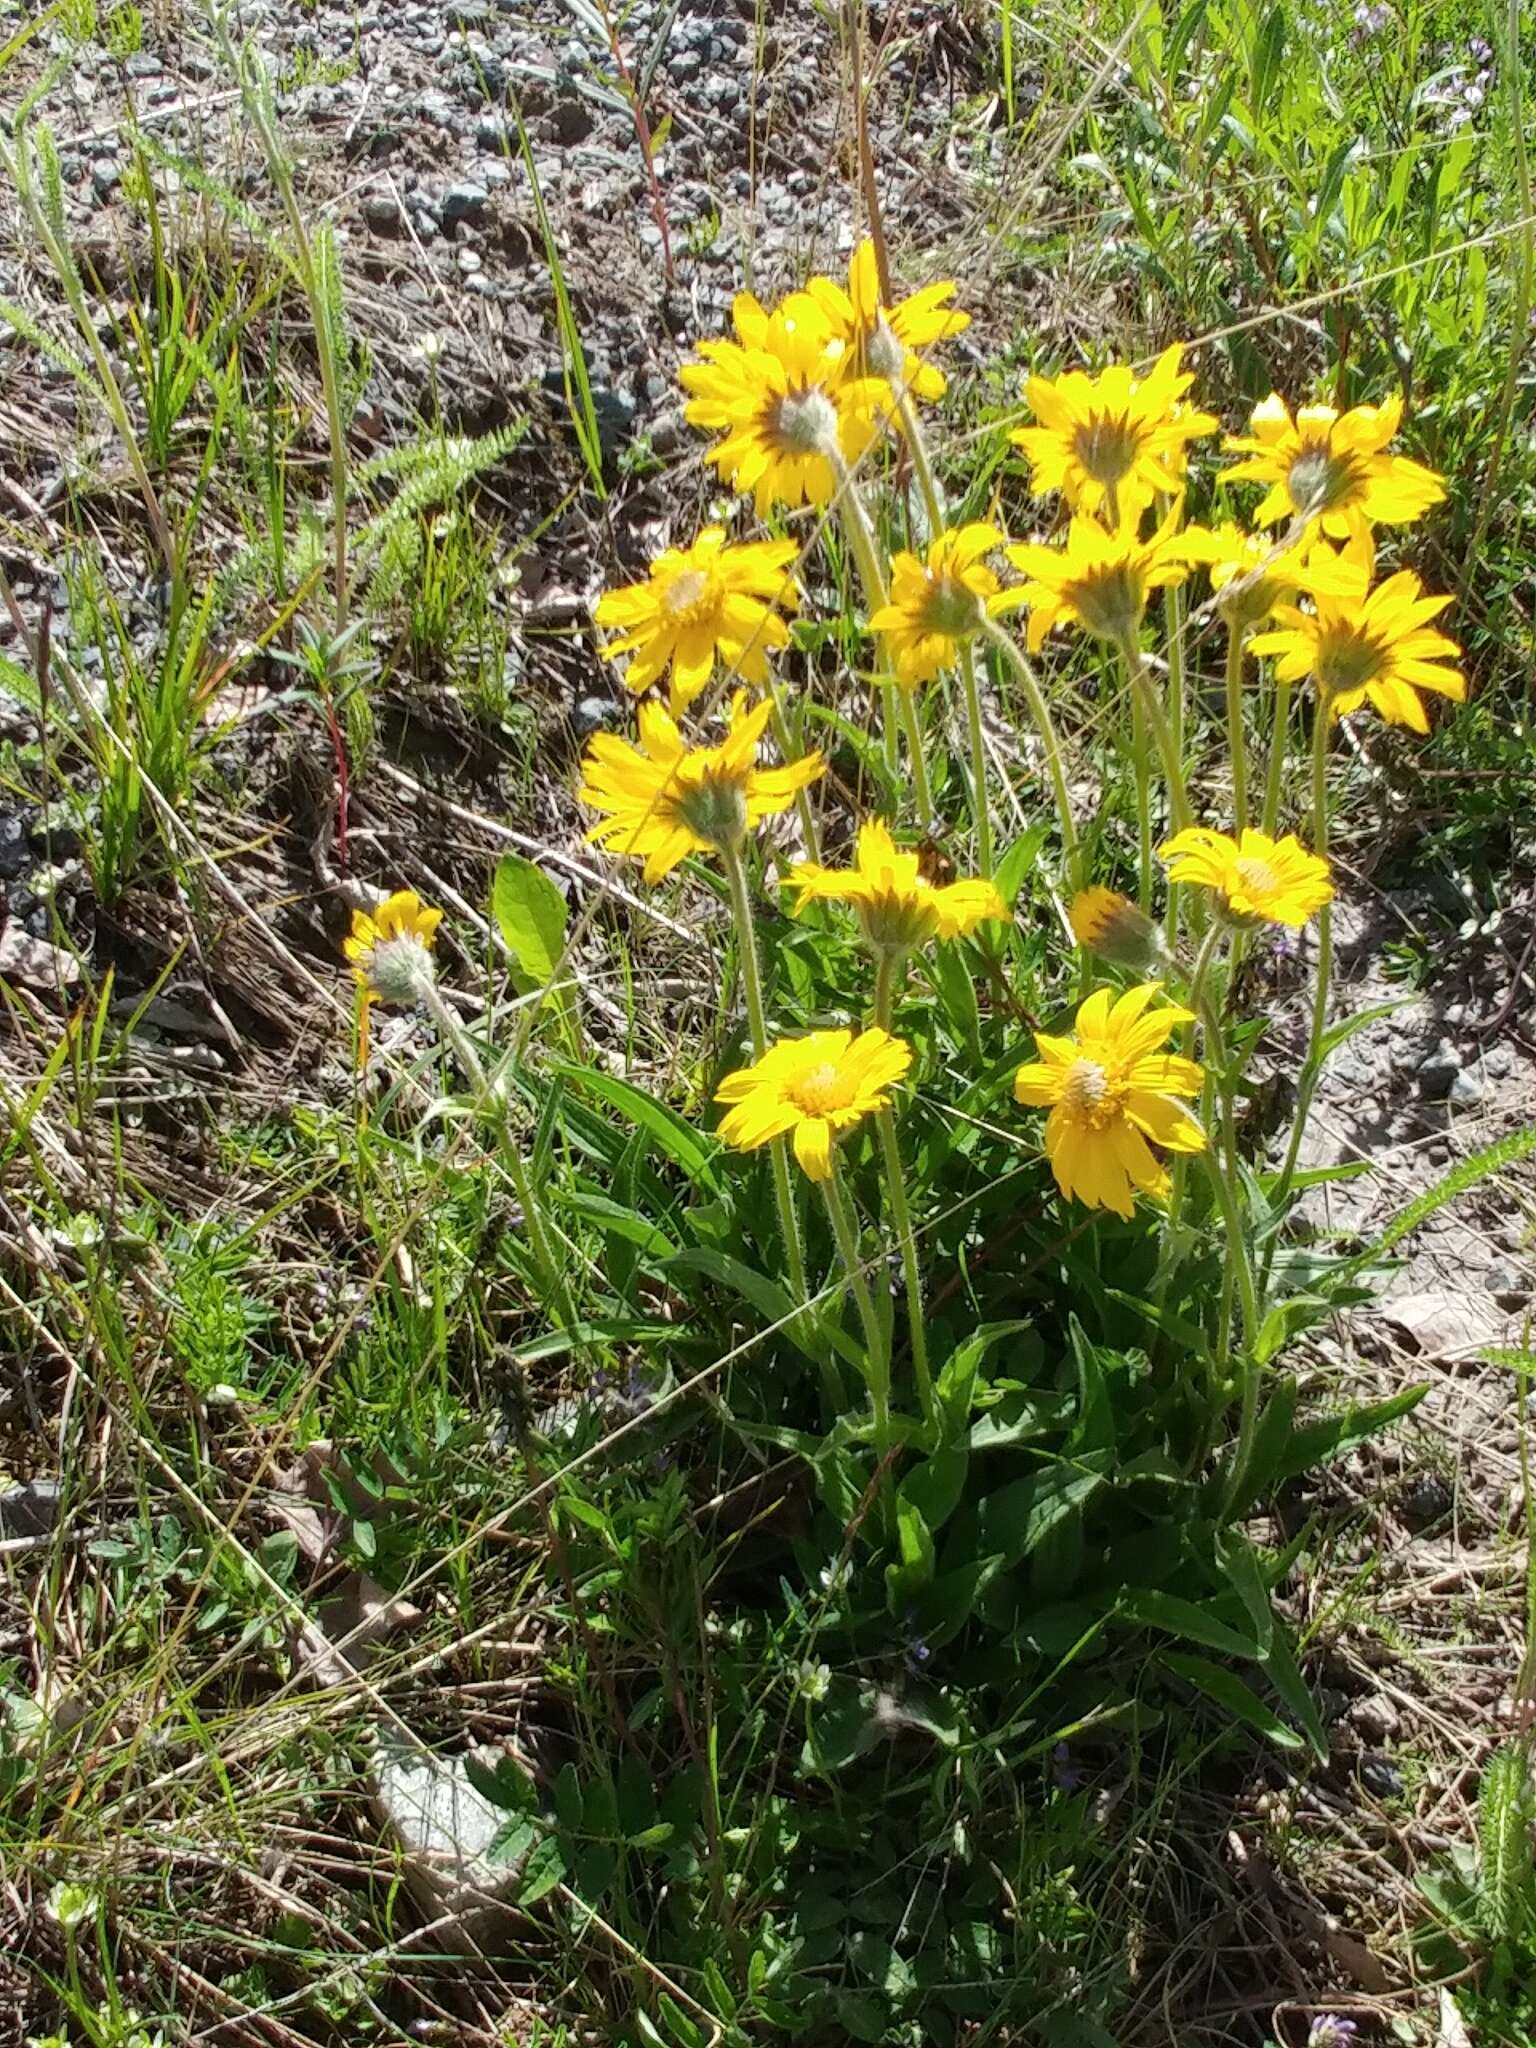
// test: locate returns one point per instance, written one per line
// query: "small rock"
(1510, 1288)
(1378, 1774)
(1426, 1501)
(1466, 1090)
(30, 959)
(593, 714)
(104, 179)
(30, 1510)
(445, 1830)
(1444, 1325)
(1376, 1717)
(15, 856)
(465, 202)
(1438, 1071)
(381, 210)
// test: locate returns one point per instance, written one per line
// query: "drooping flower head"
(390, 947)
(666, 799)
(1250, 571)
(1259, 880)
(786, 396)
(938, 601)
(894, 342)
(710, 601)
(1332, 467)
(1109, 1090)
(1112, 926)
(898, 907)
(1100, 580)
(1361, 645)
(1112, 443)
(817, 1087)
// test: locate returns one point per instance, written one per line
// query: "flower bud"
(1110, 925)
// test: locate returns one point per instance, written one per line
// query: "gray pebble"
(465, 202)
(1438, 1071)
(381, 210)
(1467, 1090)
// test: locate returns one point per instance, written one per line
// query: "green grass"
(782, 1754)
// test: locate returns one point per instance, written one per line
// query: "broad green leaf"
(1284, 1674)
(682, 1143)
(1233, 1697)
(1180, 1617)
(1317, 1443)
(770, 1300)
(544, 1869)
(1019, 1517)
(530, 913)
(1240, 1563)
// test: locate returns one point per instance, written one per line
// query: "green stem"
(980, 802)
(901, 1211)
(922, 468)
(757, 1025)
(790, 748)
(866, 554)
(491, 1101)
(1277, 751)
(1142, 768)
(1173, 612)
(1039, 711)
(1179, 1169)
(1157, 722)
(878, 1364)
(1235, 739)
(1312, 1068)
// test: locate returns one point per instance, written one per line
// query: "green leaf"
(1233, 1697)
(936, 1486)
(1008, 877)
(1284, 1674)
(1180, 1617)
(1240, 1564)
(1268, 54)
(544, 1869)
(589, 1336)
(770, 1300)
(1018, 1518)
(686, 1146)
(1317, 1443)
(531, 914)
(905, 1579)
(950, 973)
(1341, 1033)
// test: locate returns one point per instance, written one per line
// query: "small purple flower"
(1069, 1776)
(1331, 2030)
(1372, 17)
(1479, 51)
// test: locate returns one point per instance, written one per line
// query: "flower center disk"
(690, 596)
(1085, 1093)
(820, 1090)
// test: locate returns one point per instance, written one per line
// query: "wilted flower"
(1116, 929)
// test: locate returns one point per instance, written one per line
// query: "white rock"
(444, 1829)
(1444, 1325)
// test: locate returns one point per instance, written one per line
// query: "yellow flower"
(1361, 645)
(1109, 1090)
(1113, 442)
(939, 603)
(1099, 580)
(1254, 573)
(890, 341)
(897, 905)
(390, 948)
(711, 599)
(1111, 925)
(786, 395)
(1259, 880)
(667, 799)
(1332, 466)
(816, 1086)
